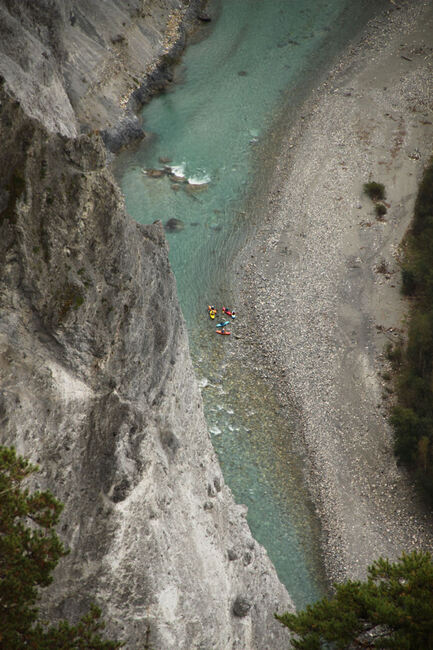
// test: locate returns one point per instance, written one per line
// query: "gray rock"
(248, 558)
(98, 385)
(72, 63)
(241, 606)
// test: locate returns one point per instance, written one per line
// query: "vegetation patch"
(380, 210)
(376, 191)
(29, 552)
(16, 188)
(67, 298)
(412, 417)
(394, 353)
(391, 609)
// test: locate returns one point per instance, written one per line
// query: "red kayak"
(223, 332)
(228, 312)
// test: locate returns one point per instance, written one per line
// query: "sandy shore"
(314, 279)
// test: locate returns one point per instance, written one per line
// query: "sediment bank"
(321, 278)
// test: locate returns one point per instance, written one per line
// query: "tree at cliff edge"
(392, 609)
(29, 552)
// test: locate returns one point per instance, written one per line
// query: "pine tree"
(392, 609)
(29, 552)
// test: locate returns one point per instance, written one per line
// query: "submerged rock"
(173, 225)
(154, 173)
(175, 178)
(193, 188)
(215, 226)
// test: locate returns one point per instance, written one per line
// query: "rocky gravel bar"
(319, 284)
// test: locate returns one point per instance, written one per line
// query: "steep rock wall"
(97, 387)
(78, 65)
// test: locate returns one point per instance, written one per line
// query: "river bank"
(319, 284)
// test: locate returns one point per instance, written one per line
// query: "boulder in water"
(174, 225)
(196, 187)
(178, 179)
(154, 173)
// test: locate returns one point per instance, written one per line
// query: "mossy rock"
(67, 298)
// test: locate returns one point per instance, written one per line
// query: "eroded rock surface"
(97, 384)
(79, 66)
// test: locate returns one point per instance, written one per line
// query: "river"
(244, 73)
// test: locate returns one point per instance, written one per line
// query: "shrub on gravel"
(380, 209)
(376, 191)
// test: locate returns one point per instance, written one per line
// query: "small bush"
(408, 279)
(376, 191)
(380, 209)
(394, 353)
(16, 188)
(412, 417)
(408, 430)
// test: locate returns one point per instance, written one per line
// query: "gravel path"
(321, 277)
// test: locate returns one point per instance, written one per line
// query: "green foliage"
(380, 209)
(424, 203)
(394, 353)
(69, 297)
(16, 189)
(408, 286)
(413, 417)
(408, 428)
(392, 609)
(29, 552)
(376, 191)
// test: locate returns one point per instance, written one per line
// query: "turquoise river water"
(249, 70)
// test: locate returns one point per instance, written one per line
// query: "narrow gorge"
(240, 183)
(97, 385)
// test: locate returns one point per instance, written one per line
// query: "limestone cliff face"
(79, 65)
(96, 385)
